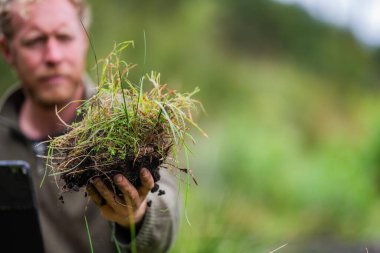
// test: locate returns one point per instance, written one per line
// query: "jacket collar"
(12, 100)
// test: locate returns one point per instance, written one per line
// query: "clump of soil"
(130, 167)
(123, 129)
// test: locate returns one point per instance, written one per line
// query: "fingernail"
(96, 180)
(144, 172)
(118, 178)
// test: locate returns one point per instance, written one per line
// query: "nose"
(53, 53)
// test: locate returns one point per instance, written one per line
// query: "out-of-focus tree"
(264, 27)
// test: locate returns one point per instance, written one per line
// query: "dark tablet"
(18, 212)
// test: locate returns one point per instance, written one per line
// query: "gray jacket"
(63, 224)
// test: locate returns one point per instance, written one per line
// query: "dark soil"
(130, 168)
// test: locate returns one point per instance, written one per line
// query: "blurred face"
(48, 50)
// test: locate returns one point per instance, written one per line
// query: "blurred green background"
(293, 118)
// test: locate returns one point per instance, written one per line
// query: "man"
(44, 41)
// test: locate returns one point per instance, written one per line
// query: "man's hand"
(128, 208)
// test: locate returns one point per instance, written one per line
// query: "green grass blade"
(187, 186)
(88, 234)
(144, 48)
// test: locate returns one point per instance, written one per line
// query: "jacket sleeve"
(159, 227)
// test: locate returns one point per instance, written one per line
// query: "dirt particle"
(155, 188)
(76, 188)
(103, 202)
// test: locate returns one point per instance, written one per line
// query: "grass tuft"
(123, 128)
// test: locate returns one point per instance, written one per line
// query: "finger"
(95, 196)
(147, 182)
(108, 195)
(123, 220)
(109, 213)
(130, 193)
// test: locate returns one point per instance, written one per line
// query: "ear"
(6, 50)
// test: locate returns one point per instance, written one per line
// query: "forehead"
(43, 14)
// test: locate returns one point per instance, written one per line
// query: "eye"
(34, 41)
(65, 37)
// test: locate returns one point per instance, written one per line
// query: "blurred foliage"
(292, 114)
(264, 27)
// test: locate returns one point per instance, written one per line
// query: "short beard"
(51, 104)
